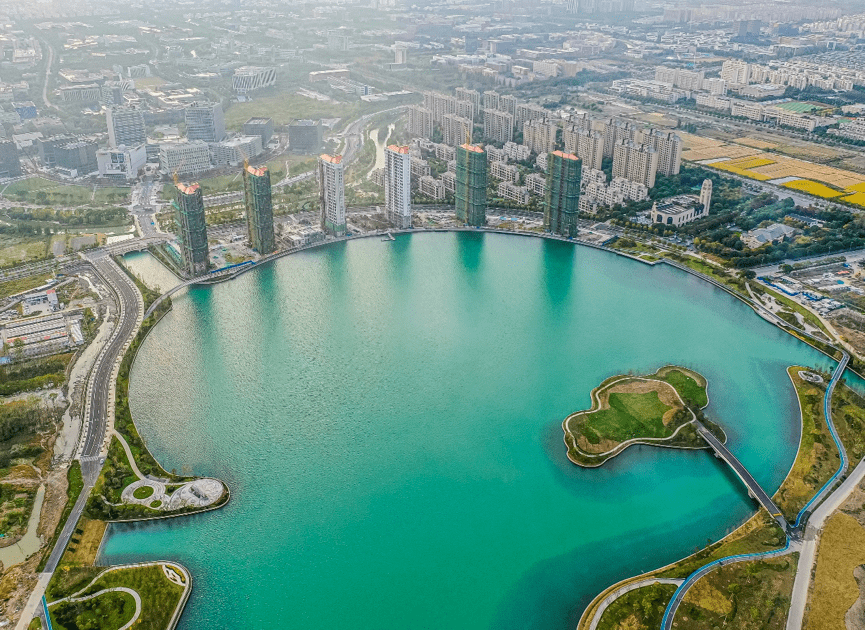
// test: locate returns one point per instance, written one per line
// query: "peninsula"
(657, 409)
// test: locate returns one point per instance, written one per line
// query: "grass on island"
(835, 589)
(761, 533)
(641, 608)
(159, 595)
(636, 407)
(817, 458)
(751, 595)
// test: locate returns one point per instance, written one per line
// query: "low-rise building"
(512, 192)
(504, 172)
(774, 233)
(121, 163)
(678, 211)
(234, 151)
(184, 158)
(432, 188)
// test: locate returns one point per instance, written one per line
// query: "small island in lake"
(657, 409)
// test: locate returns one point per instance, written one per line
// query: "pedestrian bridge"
(754, 488)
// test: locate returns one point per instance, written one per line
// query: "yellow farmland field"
(732, 168)
(857, 188)
(857, 198)
(757, 143)
(812, 188)
(751, 162)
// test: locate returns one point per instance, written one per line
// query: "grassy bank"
(159, 596)
(817, 458)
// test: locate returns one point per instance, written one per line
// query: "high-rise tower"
(471, 185)
(259, 209)
(397, 186)
(191, 228)
(562, 198)
(331, 183)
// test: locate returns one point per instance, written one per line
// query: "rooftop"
(567, 156)
(257, 171)
(333, 159)
(471, 147)
(397, 149)
(187, 189)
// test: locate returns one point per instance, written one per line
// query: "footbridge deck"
(754, 488)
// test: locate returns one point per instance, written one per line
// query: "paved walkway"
(627, 588)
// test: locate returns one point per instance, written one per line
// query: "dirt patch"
(88, 535)
(666, 393)
(855, 617)
(835, 590)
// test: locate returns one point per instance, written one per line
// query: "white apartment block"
(541, 161)
(508, 104)
(498, 126)
(753, 111)
(516, 152)
(397, 186)
(495, 154)
(711, 101)
(234, 151)
(736, 72)
(331, 186)
(511, 192)
(540, 136)
(419, 167)
(445, 152)
(420, 121)
(686, 79)
(634, 191)
(432, 188)
(440, 105)
(472, 96)
(504, 172)
(586, 145)
(546, 67)
(491, 100)
(184, 158)
(456, 130)
(636, 162)
(536, 184)
(668, 146)
(122, 162)
(526, 112)
(449, 181)
(250, 78)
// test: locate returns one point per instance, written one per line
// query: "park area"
(634, 408)
(41, 191)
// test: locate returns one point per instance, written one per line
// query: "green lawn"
(109, 610)
(13, 287)
(687, 387)
(16, 250)
(629, 415)
(288, 107)
(645, 606)
(159, 596)
(45, 191)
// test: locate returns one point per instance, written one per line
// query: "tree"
(748, 274)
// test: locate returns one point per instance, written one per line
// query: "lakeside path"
(758, 308)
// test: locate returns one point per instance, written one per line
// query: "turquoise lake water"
(388, 417)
